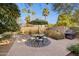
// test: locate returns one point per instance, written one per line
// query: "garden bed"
(55, 34)
(4, 42)
(74, 49)
(5, 38)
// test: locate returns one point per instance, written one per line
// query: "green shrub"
(55, 34)
(74, 49)
(19, 32)
(50, 25)
(5, 36)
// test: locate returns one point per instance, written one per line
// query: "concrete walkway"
(56, 48)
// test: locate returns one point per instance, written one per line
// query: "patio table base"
(38, 43)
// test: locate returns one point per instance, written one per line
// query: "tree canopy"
(45, 12)
(65, 19)
(76, 16)
(38, 22)
(8, 17)
(68, 13)
(64, 7)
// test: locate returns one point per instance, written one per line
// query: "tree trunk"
(45, 18)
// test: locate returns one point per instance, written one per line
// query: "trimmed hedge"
(38, 22)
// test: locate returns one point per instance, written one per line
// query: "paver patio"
(56, 48)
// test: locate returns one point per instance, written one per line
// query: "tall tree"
(65, 19)
(45, 12)
(76, 16)
(64, 7)
(9, 13)
(27, 20)
(67, 8)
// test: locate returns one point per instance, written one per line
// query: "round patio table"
(38, 40)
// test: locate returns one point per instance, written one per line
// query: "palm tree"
(45, 12)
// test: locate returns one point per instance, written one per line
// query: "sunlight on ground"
(22, 40)
(4, 42)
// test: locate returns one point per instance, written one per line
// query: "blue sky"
(52, 18)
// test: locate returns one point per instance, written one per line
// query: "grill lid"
(70, 31)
